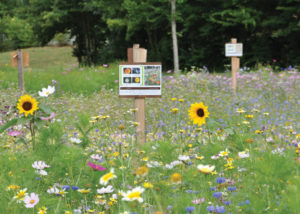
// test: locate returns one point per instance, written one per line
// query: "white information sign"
(140, 80)
(233, 49)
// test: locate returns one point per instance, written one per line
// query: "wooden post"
(20, 71)
(235, 67)
(139, 56)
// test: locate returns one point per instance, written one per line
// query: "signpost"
(234, 50)
(139, 79)
(19, 59)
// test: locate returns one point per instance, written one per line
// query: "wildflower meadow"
(207, 149)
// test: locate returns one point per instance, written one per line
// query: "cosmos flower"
(14, 133)
(134, 195)
(75, 140)
(243, 154)
(96, 167)
(198, 113)
(107, 177)
(27, 105)
(52, 115)
(53, 190)
(47, 91)
(40, 165)
(32, 200)
(183, 157)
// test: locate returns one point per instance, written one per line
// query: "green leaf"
(23, 120)
(45, 109)
(229, 131)
(212, 124)
(9, 124)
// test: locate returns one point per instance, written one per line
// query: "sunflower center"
(27, 106)
(200, 112)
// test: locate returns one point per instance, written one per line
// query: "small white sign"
(140, 80)
(233, 49)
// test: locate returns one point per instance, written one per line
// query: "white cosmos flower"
(104, 190)
(183, 157)
(134, 194)
(53, 190)
(47, 91)
(75, 140)
(32, 200)
(39, 165)
(206, 169)
(244, 154)
(41, 172)
(96, 157)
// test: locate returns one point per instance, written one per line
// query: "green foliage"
(104, 29)
(16, 33)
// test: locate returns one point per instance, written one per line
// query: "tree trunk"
(174, 36)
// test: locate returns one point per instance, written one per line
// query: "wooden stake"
(20, 71)
(139, 56)
(235, 67)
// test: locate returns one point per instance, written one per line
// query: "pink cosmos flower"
(32, 200)
(169, 71)
(105, 65)
(48, 118)
(64, 73)
(96, 167)
(14, 133)
(198, 201)
(116, 81)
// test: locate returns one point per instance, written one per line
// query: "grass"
(57, 63)
(261, 120)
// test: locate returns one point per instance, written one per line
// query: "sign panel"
(233, 49)
(140, 79)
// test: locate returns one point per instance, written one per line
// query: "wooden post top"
(233, 40)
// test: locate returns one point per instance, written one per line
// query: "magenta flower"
(96, 167)
(64, 73)
(105, 65)
(14, 133)
(48, 118)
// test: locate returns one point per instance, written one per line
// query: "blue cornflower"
(190, 209)
(75, 187)
(220, 209)
(189, 191)
(210, 208)
(220, 180)
(217, 194)
(226, 202)
(247, 202)
(169, 207)
(231, 188)
(66, 187)
(212, 188)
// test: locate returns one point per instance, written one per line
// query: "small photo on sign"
(127, 80)
(136, 80)
(136, 71)
(152, 75)
(127, 70)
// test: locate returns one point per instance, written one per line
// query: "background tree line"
(269, 29)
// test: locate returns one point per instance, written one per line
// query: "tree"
(174, 36)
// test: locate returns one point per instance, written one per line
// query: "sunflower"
(198, 112)
(27, 105)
